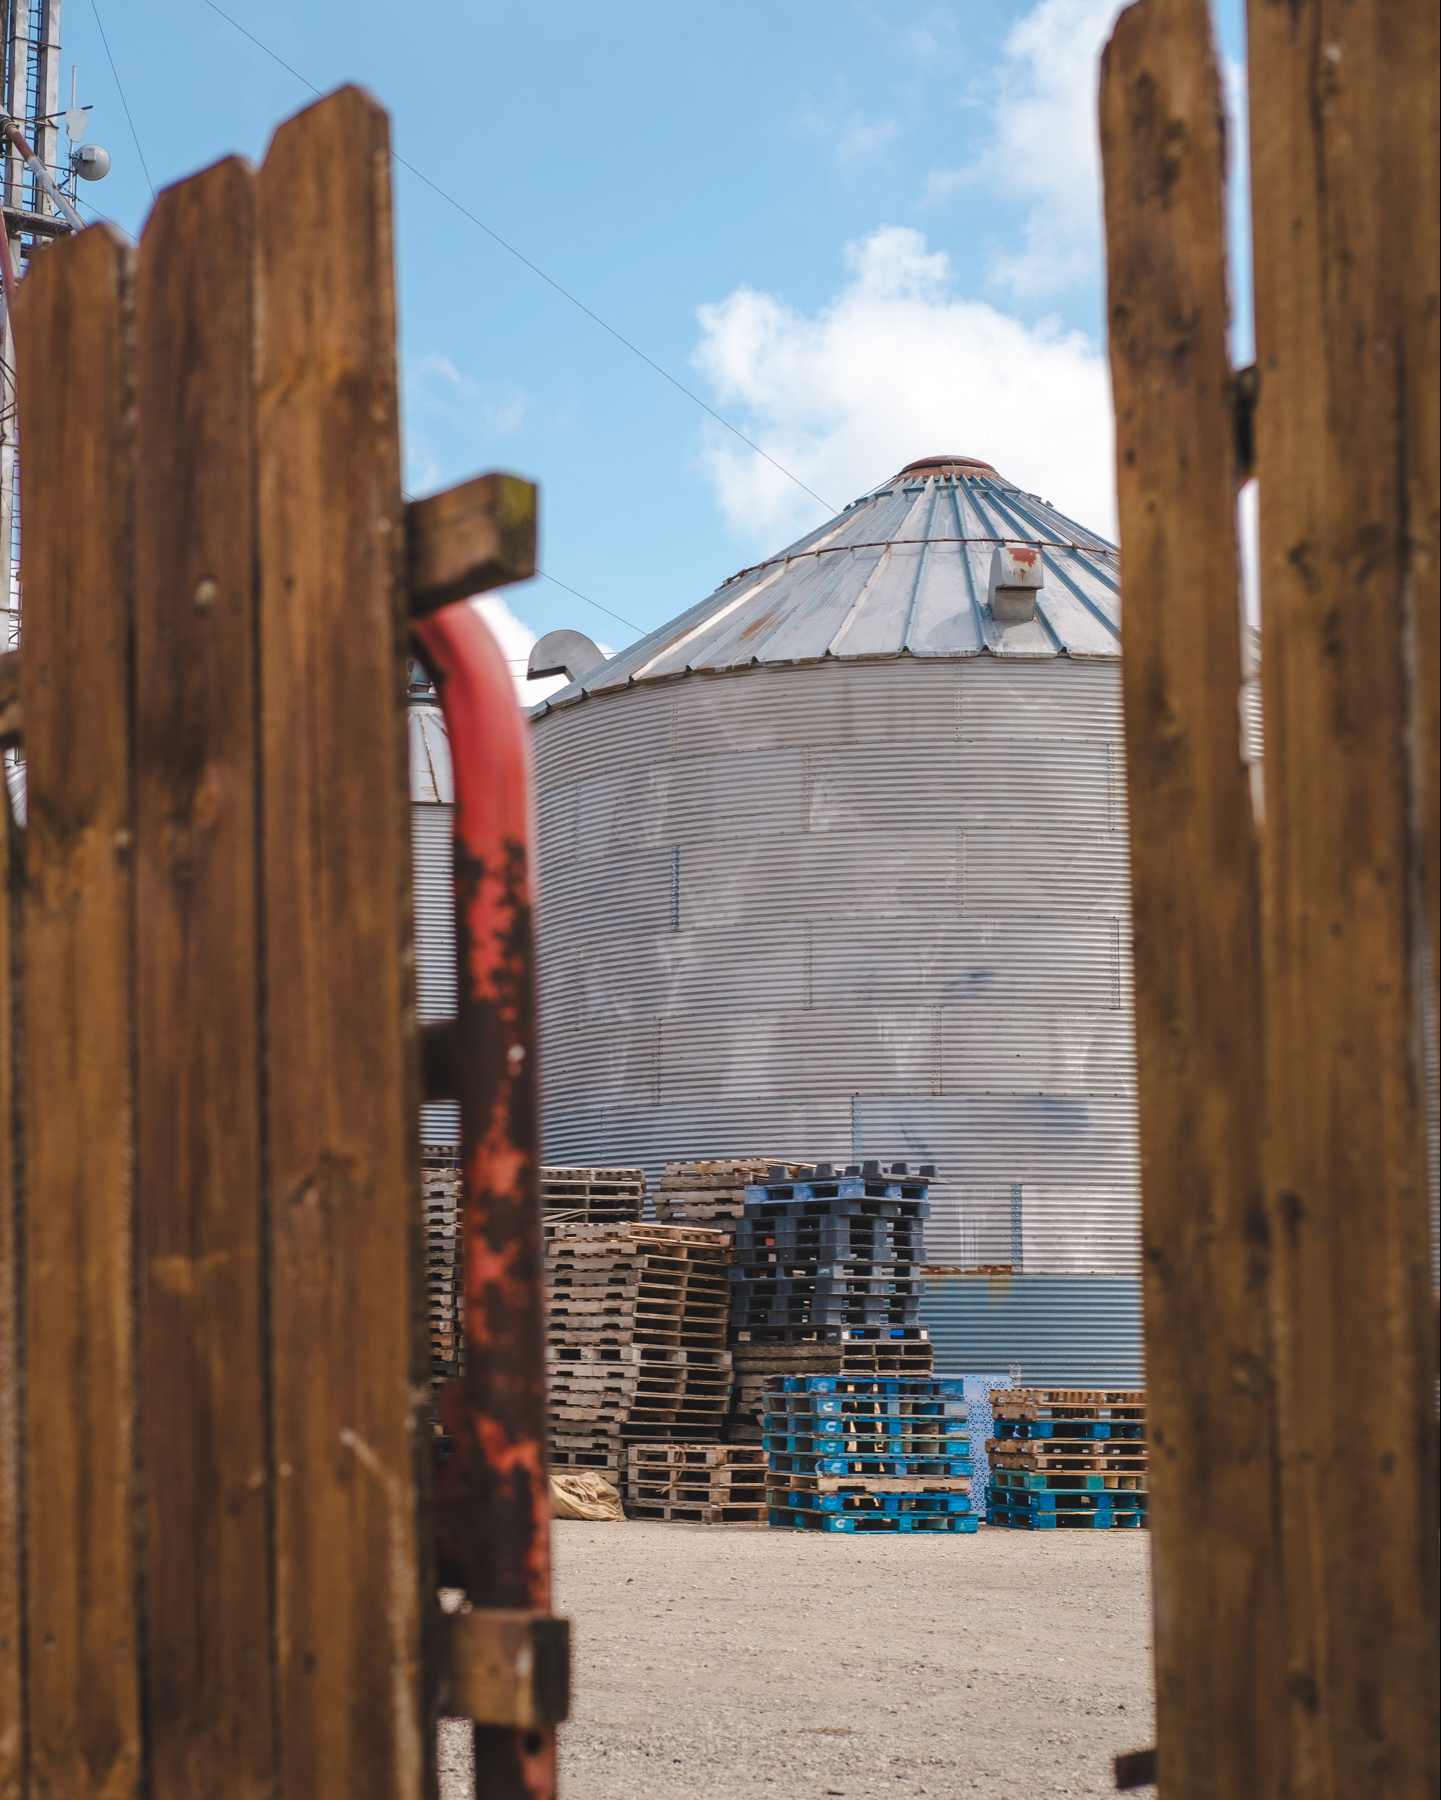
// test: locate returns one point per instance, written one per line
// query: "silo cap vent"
(1017, 571)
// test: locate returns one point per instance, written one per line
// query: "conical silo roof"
(902, 571)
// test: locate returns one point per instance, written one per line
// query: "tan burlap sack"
(583, 1494)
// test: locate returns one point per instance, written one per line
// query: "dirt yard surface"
(733, 1662)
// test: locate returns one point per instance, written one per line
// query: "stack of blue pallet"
(832, 1255)
(1067, 1459)
(867, 1454)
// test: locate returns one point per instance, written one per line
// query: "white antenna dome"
(91, 162)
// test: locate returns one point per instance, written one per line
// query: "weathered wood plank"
(73, 323)
(342, 1069)
(10, 726)
(1343, 120)
(470, 538)
(209, 1698)
(1195, 907)
(14, 1783)
(506, 1667)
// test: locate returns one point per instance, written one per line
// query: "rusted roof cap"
(902, 571)
(947, 465)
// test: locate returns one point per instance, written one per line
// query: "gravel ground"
(733, 1662)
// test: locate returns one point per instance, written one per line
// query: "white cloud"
(852, 136)
(896, 367)
(862, 138)
(515, 638)
(445, 407)
(1043, 146)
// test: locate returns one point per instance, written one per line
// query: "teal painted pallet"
(1020, 1518)
(1066, 1481)
(793, 1519)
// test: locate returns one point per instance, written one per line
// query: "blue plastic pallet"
(1108, 1500)
(793, 1519)
(767, 1263)
(865, 1406)
(1014, 1481)
(860, 1385)
(855, 1504)
(868, 1443)
(799, 1201)
(838, 1308)
(841, 1187)
(842, 1238)
(1074, 1431)
(866, 1287)
(793, 1462)
(831, 1334)
(1021, 1519)
(864, 1424)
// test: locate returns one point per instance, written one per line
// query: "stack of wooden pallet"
(708, 1192)
(440, 1198)
(756, 1364)
(636, 1332)
(878, 1455)
(1068, 1458)
(589, 1196)
(711, 1484)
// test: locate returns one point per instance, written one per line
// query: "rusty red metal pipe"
(499, 1524)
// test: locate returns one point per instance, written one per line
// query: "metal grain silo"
(432, 815)
(835, 865)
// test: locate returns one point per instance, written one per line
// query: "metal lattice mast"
(30, 91)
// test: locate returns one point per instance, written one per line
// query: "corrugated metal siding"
(1060, 1331)
(431, 828)
(862, 909)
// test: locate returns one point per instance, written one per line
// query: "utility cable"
(121, 91)
(589, 602)
(541, 573)
(549, 280)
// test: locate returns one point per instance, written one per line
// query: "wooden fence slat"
(72, 332)
(209, 1702)
(1195, 906)
(1420, 254)
(342, 1075)
(13, 1778)
(1343, 113)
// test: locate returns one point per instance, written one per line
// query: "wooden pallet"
(636, 1324)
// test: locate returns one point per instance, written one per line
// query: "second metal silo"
(835, 865)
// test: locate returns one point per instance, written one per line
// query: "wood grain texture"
(14, 1782)
(73, 327)
(473, 537)
(209, 1699)
(1343, 113)
(342, 1075)
(1421, 255)
(10, 723)
(1195, 899)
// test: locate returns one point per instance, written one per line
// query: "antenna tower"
(30, 93)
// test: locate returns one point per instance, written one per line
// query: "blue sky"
(862, 233)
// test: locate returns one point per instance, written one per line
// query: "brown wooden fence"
(1290, 1323)
(217, 1563)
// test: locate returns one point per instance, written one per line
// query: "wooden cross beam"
(460, 542)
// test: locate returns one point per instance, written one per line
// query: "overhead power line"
(550, 281)
(123, 101)
(543, 575)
